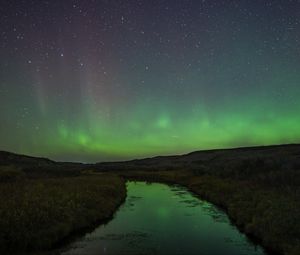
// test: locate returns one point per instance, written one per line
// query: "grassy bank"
(270, 213)
(259, 188)
(36, 214)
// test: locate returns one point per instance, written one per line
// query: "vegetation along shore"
(43, 201)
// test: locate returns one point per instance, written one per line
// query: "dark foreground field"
(37, 214)
(258, 187)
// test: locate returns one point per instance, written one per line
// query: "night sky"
(101, 80)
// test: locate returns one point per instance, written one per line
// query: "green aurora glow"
(229, 84)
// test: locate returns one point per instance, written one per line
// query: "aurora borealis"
(110, 80)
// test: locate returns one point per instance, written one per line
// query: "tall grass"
(268, 213)
(266, 209)
(36, 214)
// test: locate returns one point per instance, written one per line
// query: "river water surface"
(162, 219)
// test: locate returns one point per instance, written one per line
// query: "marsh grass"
(36, 214)
(259, 188)
(10, 173)
(268, 211)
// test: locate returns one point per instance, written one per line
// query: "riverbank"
(156, 216)
(267, 213)
(258, 187)
(37, 214)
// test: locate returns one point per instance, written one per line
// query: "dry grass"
(36, 214)
(268, 212)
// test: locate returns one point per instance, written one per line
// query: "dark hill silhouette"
(282, 160)
(39, 167)
(278, 156)
(281, 157)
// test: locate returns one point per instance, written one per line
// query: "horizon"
(116, 80)
(154, 156)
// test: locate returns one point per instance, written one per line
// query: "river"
(162, 219)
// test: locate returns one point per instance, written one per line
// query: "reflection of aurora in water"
(158, 219)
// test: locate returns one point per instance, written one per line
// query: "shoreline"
(195, 188)
(273, 248)
(68, 208)
(258, 188)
